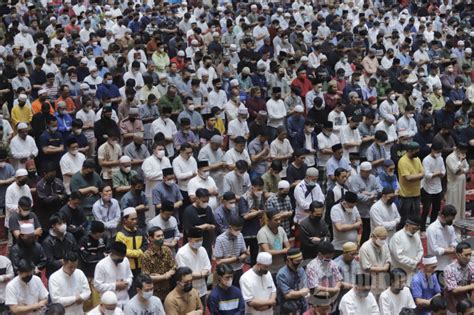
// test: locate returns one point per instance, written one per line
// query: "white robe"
(456, 188)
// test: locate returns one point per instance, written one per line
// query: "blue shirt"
(288, 280)
(420, 288)
(223, 215)
(226, 302)
(109, 90)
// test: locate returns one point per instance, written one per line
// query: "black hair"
(449, 211)
(202, 192)
(25, 265)
(257, 181)
(315, 205)
(75, 195)
(438, 303)
(71, 256)
(141, 279)
(153, 230)
(55, 219)
(181, 272)
(224, 269)
(24, 202)
(462, 246)
(396, 274)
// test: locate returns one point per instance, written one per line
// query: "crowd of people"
(225, 157)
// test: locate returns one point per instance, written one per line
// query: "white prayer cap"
(280, 10)
(181, 53)
(27, 228)
(299, 109)
(264, 258)
(234, 82)
(233, 47)
(128, 211)
(403, 133)
(242, 110)
(203, 72)
(21, 172)
(108, 298)
(468, 50)
(21, 126)
(194, 42)
(283, 184)
(366, 166)
(162, 76)
(460, 43)
(84, 86)
(125, 159)
(430, 260)
(84, 60)
(22, 97)
(52, 18)
(55, 42)
(304, 58)
(93, 68)
(42, 91)
(215, 34)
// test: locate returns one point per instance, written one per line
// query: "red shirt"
(305, 85)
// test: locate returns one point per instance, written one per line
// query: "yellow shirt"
(220, 125)
(406, 167)
(21, 114)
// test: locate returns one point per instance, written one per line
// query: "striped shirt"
(229, 246)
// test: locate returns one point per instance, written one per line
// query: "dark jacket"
(55, 248)
(91, 251)
(75, 220)
(311, 227)
(299, 141)
(34, 253)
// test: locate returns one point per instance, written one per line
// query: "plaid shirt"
(281, 204)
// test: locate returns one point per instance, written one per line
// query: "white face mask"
(160, 154)
(380, 243)
(147, 295)
(231, 206)
(170, 182)
(204, 205)
(227, 283)
(437, 155)
(75, 151)
(62, 228)
(205, 175)
(310, 130)
(127, 169)
(393, 97)
(109, 312)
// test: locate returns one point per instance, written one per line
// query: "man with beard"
(51, 194)
(22, 147)
(87, 181)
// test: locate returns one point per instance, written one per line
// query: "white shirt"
(22, 149)
(183, 170)
(107, 273)
(256, 287)
(89, 119)
(408, 124)
(350, 136)
(168, 128)
(276, 112)
(431, 165)
(20, 293)
(325, 142)
(392, 304)
(93, 82)
(232, 156)
(70, 164)
(406, 251)
(383, 215)
(12, 195)
(351, 304)
(152, 168)
(84, 35)
(216, 99)
(304, 199)
(236, 128)
(339, 120)
(199, 261)
(25, 40)
(64, 289)
(97, 311)
(391, 135)
(259, 31)
(439, 238)
(6, 264)
(208, 183)
(280, 148)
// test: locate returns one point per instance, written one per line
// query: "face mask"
(205, 175)
(349, 210)
(108, 82)
(380, 243)
(231, 206)
(159, 242)
(62, 228)
(258, 193)
(310, 130)
(196, 245)
(262, 272)
(362, 294)
(390, 201)
(411, 115)
(117, 260)
(204, 205)
(78, 131)
(2, 164)
(75, 151)
(227, 283)
(393, 97)
(127, 169)
(191, 108)
(397, 291)
(109, 312)
(53, 129)
(437, 155)
(147, 295)
(26, 279)
(410, 234)
(160, 154)
(187, 287)
(170, 182)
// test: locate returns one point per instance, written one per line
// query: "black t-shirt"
(468, 136)
(15, 221)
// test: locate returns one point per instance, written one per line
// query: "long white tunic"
(64, 288)
(351, 304)
(22, 149)
(12, 195)
(456, 189)
(439, 238)
(152, 169)
(392, 304)
(406, 251)
(386, 216)
(107, 273)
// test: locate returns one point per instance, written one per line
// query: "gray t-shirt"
(338, 215)
(153, 307)
(275, 242)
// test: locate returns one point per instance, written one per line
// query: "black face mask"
(390, 201)
(187, 287)
(262, 272)
(26, 279)
(117, 260)
(24, 217)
